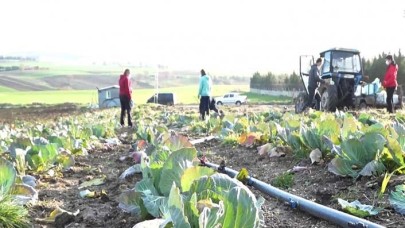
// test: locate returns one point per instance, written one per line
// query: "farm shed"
(109, 97)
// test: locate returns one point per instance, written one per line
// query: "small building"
(109, 97)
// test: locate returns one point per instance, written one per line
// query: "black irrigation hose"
(317, 210)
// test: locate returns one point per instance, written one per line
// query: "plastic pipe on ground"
(317, 210)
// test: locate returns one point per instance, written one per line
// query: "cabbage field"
(82, 169)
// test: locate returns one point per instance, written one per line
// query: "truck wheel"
(329, 99)
(363, 105)
(219, 103)
(300, 102)
(238, 103)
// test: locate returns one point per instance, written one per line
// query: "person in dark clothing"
(204, 93)
(390, 82)
(213, 107)
(125, 97)
(313, 80)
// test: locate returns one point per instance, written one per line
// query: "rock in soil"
(63, 219)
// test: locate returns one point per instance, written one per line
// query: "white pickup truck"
(231, 98)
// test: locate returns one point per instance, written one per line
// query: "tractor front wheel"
(329, 99)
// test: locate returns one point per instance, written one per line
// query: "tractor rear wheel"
(300, 102)
(329, 99)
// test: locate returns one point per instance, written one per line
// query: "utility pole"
(156, 85)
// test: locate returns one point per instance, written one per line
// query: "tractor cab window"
(346, 62)
(326, 63)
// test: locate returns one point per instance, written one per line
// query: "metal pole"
(317, 210)
(156, 86)
(157, 83)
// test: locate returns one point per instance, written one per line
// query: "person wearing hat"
(390, 81)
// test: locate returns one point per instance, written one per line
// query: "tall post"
(156, 86)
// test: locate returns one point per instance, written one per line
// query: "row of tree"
(9, 68)
(373, 68)
(271, 81)
(19, 58)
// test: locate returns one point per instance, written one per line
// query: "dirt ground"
(63, 191)
(38, 112)
(316, 184)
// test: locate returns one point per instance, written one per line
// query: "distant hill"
(36, 76)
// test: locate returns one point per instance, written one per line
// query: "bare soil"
(39, 112)
(62, 191)
(316, 184)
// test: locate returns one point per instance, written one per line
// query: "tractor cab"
(342, 71)
(341, 63)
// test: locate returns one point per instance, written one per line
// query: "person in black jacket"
(213, 107)
(314, 79)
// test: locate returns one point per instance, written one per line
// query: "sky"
(234, 37)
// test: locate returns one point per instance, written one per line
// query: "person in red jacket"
(390, 81)
(125, 97)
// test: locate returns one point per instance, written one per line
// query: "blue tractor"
(342, 72)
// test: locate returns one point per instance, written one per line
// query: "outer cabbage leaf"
(358, 209)
(373, 168)
(66, 160)
(24, 194)
(241, 209)
(350, 126)
(131, 201)
(191, 210)
(397, 199)
(356, 154)
(176, 208)
(177, 142)
(174, 168)
(211, 216)
(395, 156)
(153, 202)
(7, 176)
(193, 173)
(131, 171)
(311, 138)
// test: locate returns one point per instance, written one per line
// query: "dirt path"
(63, 191)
